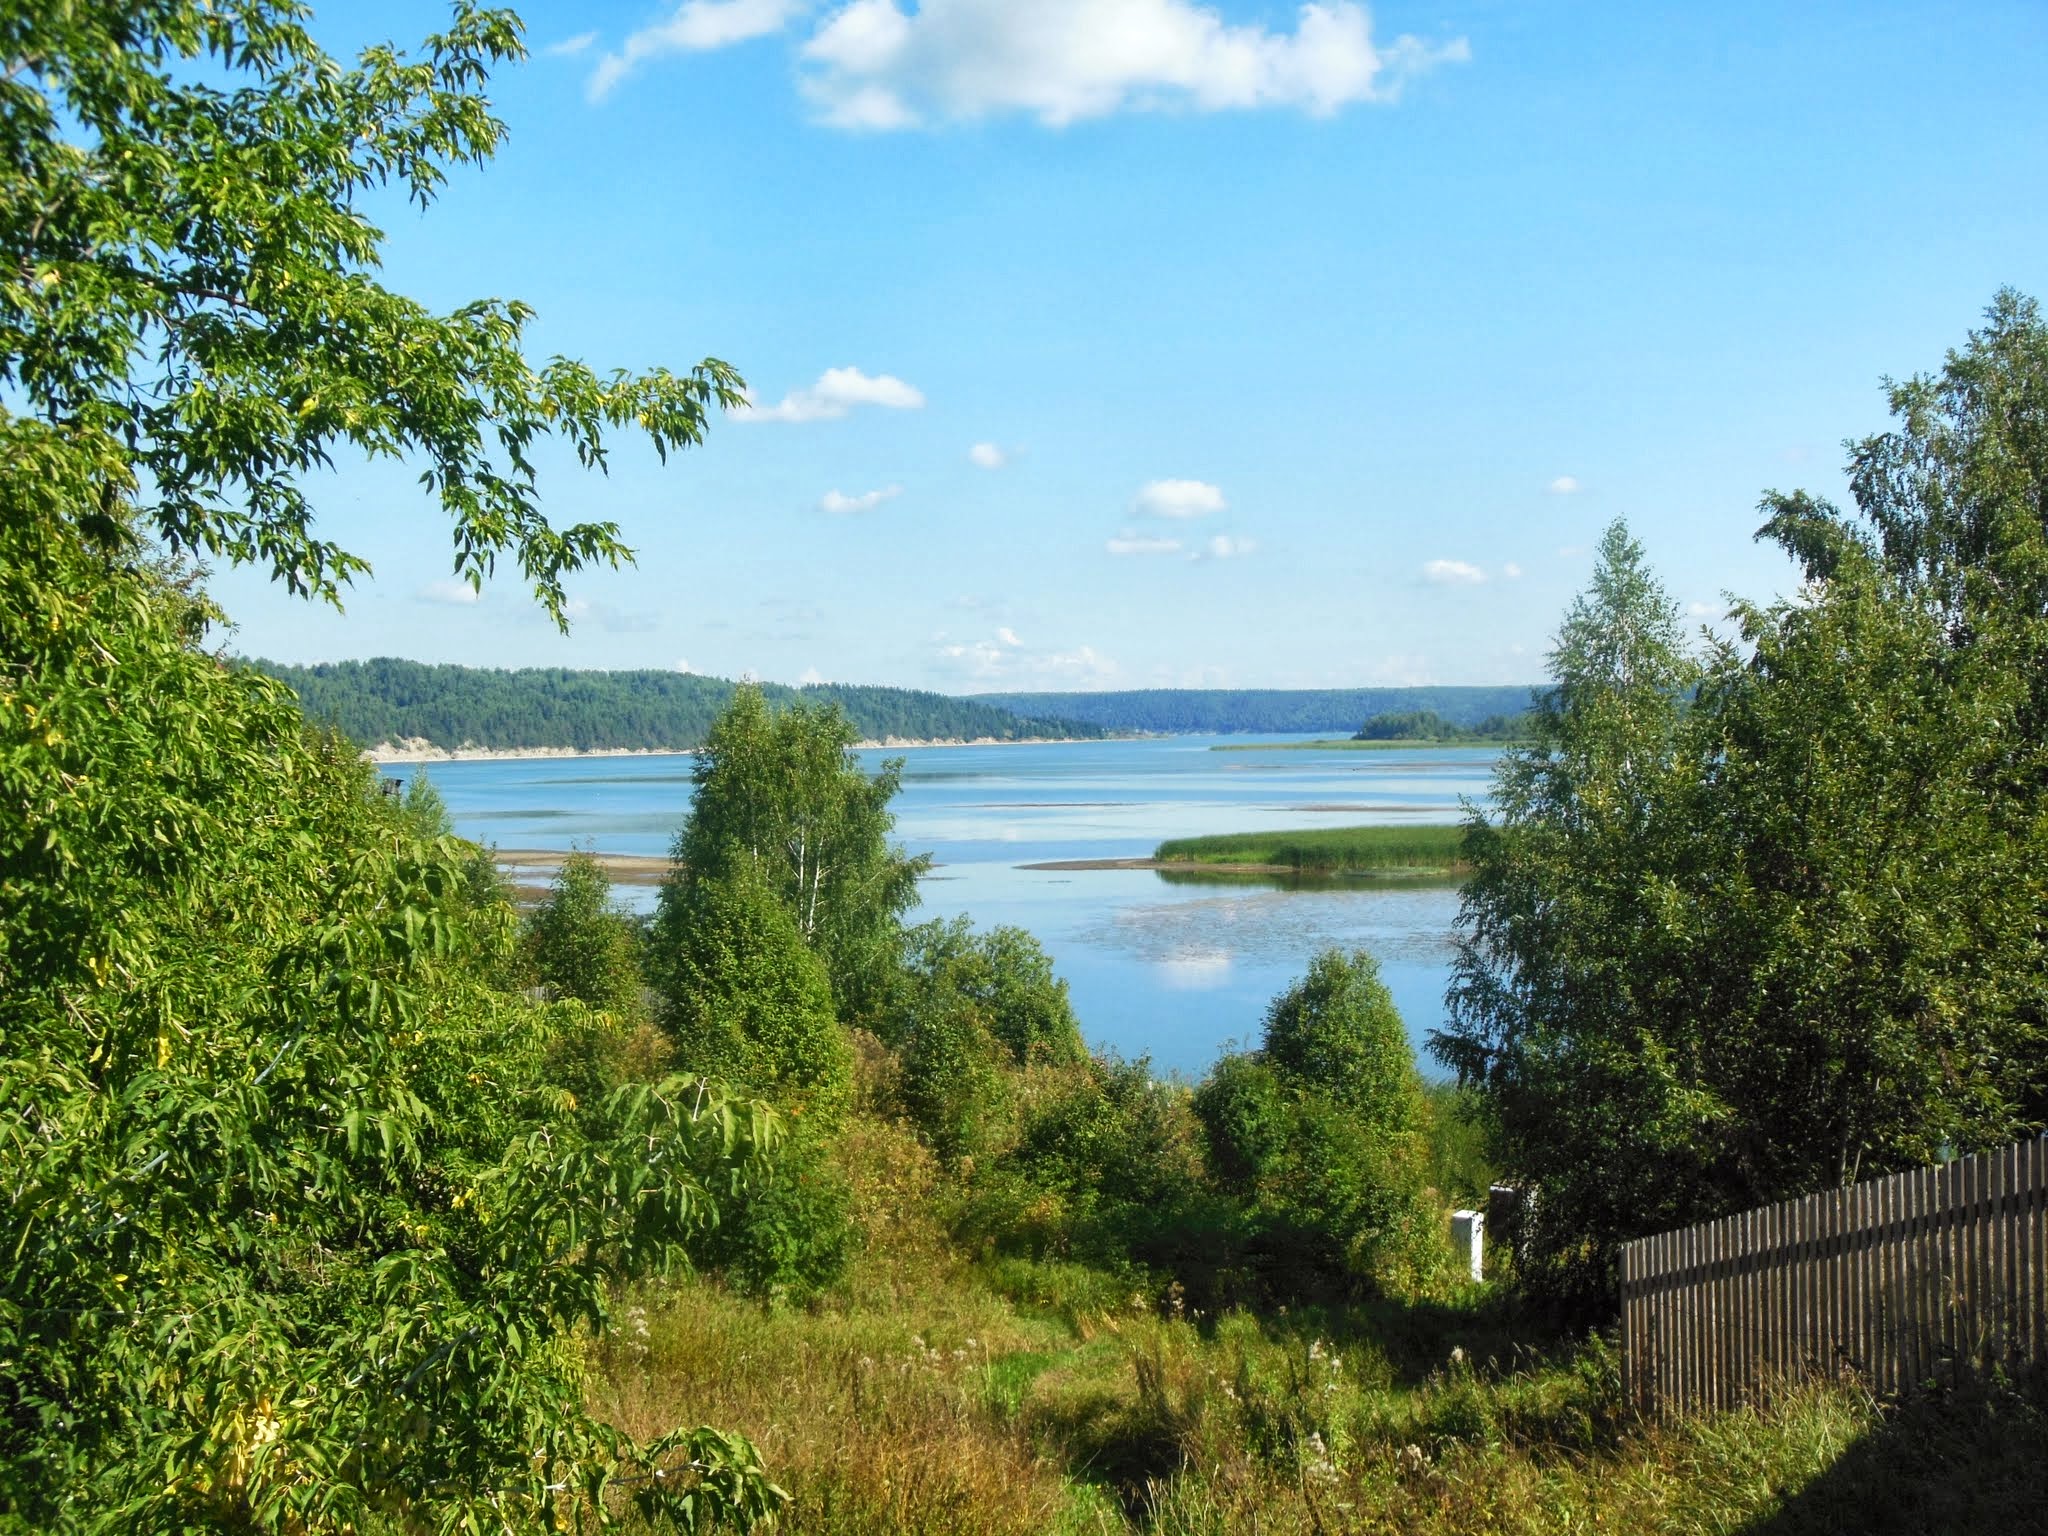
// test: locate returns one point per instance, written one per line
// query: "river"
(1169, 967)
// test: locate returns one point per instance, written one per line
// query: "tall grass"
(1433, 850)
(936, 1390)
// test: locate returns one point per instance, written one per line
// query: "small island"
(1375, 852)
(1404, 728)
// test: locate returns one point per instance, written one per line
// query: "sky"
(1149, 343)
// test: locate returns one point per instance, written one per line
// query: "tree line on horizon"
(1265, 711)
(389, 700)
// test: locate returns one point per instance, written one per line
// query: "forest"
(1228, 711)
(343, 1195)
(388, 700)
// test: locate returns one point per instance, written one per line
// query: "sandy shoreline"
(417, 750)
(624, 868)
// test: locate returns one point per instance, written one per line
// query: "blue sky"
(1136, 343)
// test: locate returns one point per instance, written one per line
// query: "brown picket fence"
(1919, 1276)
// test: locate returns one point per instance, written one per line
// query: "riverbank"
(525, 865)
(415, 749)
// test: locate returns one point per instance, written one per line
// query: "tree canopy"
(189, 310)
(305, 1208)
(780, 790)
(1768, 916)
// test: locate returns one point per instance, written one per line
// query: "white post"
(1468, 1239)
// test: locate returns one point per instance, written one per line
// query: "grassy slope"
(935, 1395)
(1332, 850)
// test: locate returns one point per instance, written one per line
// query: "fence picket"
(1916, 1276)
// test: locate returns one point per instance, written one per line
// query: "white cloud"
(840, 505)
(837, 392)
(1512, 571)
(1008, 636)
(810, 678)
(1223, 547)
(1452, 573)
(1002, 659)
(1196, 970)
(1564, 485)
(682, 665)
(875, 66)
(1703, 610)
(697, 27)
(988, 456)
(1178, 498)
(1128, 543)
(450, 590)
(568, 47)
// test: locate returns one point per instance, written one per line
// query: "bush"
(580, 946)
(744, 998)
(787, 1233)
(1006, 978)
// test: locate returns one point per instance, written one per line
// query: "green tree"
(1324, 1128)
(302, 1219)
(583, 947)
(1565, 1007)
(301, 1227)
(189, 312)
(1859, 915)
(1004, 976)
(782, 794)
(745, 999)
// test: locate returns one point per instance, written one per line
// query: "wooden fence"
(1922, 1275)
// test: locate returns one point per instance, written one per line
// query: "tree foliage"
(1003, 976)
(388, 700)
(303, 1221)
(188, 301)
(781, 797)
(744, 998)
(1770, 919)
(582, 947)
(1322, 1129)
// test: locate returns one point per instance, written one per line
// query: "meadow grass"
(1396, 850)
(937, 1390)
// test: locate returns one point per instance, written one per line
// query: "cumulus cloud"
(988, 456)
(837, 392)
(1564, 485)
(873, 65)
(450, 590)
(1512, 571)
(1008, 636)
(1452, 573)
(568, 47)
(696, 27)
(682, 665)
(1178, 498)
(841, 505)
(1128, 543)
(810, 677)
(1703, 610)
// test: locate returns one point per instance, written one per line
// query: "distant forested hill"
(1218, 711)
(388, 700)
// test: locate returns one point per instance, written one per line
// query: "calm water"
(1177, 969)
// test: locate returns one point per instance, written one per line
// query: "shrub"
(744, 998)
(787, 1232)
